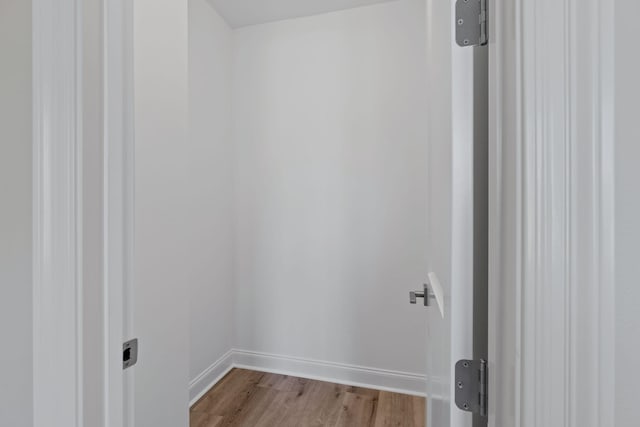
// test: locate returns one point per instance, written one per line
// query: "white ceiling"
(240, 13)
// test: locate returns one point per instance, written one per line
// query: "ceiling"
(240, 13)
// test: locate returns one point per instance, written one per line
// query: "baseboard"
(379, 379)
(339, 373)
(210, 377)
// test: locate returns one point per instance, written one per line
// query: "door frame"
(57, 221)
(119, 204)
(551, 272)
(57, 213)
(541, 277)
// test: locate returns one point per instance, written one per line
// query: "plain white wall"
(627, 213)
(163, 204)
(210, 153)
(16, 401)
(331, 186)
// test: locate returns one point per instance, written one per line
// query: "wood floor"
(252, 399)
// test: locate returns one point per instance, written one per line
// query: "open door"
(458, 134)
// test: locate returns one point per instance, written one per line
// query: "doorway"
(281, 200)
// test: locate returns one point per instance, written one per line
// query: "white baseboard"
(339, 373)
(200, 385)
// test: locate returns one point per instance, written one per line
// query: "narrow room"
(319, 213)
(307, 205)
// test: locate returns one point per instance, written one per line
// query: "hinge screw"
(460, 385)
(460, 21)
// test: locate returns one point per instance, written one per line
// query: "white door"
(457, 213)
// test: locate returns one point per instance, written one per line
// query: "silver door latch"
(425, 293)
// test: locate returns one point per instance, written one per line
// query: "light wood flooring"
(257, 399)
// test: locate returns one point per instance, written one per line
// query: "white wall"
(210, 157)
(163, 212)
(331, 184)
(16, 402)
(627, 214)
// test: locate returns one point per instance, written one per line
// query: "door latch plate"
(471, 386)
(129, 353)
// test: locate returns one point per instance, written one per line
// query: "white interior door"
(457, 213)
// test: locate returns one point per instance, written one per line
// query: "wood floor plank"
(202, 419)
(400, 410)
(271, 380)
(277, 413)
(363, 391)
(293, 384)
(247, 398)
(232, 396)
(357, 410)
(318, 406)
(262, 401)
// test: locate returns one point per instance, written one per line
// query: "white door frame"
(57, 28)
(57, 213)
(551, 286)
(119, 151)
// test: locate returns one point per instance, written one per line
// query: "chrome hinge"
(471, 386)
(471, 23)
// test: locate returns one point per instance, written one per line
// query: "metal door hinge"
(129, 353)
(471, 386)
(471, 23)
